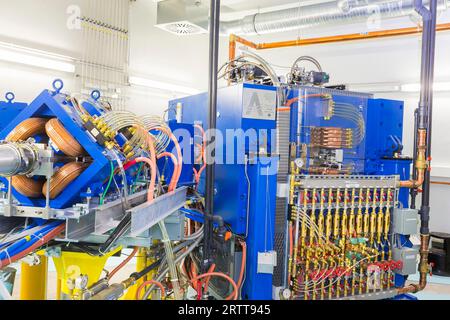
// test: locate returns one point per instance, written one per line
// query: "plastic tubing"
(173, 180)
(200, 171)
(178, 149)
(170, 261)
(145, 283)
(152, 165)
(233, 295)
(124, 177)
(177, 260)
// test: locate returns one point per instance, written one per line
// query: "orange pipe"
(441, 182)
(329, 39)
(232, 45)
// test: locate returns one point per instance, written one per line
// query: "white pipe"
(321, 14)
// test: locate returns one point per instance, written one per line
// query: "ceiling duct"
(328, 13)
(183, 17)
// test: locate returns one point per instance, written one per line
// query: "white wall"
(159, 55)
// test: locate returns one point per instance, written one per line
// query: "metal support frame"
(214, 32)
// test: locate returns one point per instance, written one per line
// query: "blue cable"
(24, 244)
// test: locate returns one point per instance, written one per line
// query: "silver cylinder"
(16, 159)
(321, 14)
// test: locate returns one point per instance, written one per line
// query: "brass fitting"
(421, 163)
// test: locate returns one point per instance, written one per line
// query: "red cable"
(49, 236)
(233, 295)
(145, 283)
(123, 263)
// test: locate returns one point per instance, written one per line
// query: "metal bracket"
(146, 215)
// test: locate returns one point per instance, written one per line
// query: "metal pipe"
(330, 39)
(214, 24)
(320, 14)
(420, 164)
(413, 191)
(425, 124)
(17, 159)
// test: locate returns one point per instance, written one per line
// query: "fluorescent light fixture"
(374, 87)
(410, 87)
(35, 58)
(415, 87)
(162, 85)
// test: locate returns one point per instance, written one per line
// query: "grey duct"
(322, 14)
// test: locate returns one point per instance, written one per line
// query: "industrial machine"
(309, 193)
(329, 221)
(308, 185)
(79, 183)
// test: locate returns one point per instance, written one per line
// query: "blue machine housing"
(182, 132)
(231, 183)
(10, 109)
(244, 192)
(54, 104)
(245, 183)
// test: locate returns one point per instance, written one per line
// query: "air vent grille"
(182, 28)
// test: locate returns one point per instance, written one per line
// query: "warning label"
(259, 104)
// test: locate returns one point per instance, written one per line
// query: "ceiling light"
(415, 87)
(162, 85)
(35, 58)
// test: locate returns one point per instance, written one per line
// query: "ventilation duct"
(333, 12)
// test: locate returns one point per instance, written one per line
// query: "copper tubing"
(63, 177)
(330, 39)
(420, 164)
(331, 137)
(27, 129)
(27, 186)
(63, 139)
(424, 267)
(441, 183)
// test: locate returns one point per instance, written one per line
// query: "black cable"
(138, 275)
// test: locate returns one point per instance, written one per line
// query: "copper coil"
(63, 139)
(63, 177)
(27, 129)
(27, 186)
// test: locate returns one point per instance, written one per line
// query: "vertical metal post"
(214, 24)
(425, 207)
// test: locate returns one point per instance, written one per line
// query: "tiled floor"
(438, 288)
